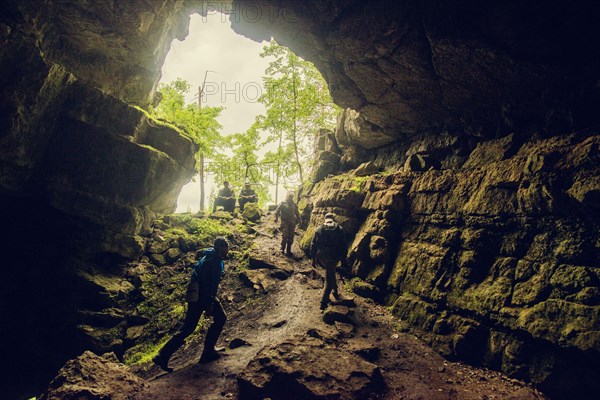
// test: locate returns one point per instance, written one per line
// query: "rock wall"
(83, 172)
(67, 136)
(118, 47)
(495, 262)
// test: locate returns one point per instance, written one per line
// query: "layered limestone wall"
(83, 172)
(69, 136)
(495, 262)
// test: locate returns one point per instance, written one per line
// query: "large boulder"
(94, 377)
(252, 212)
(304, 369)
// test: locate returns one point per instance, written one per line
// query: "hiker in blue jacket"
(207, 273)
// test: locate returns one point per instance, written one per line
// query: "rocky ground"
(279, 345)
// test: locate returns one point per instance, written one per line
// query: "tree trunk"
(278, 168)
(295, 94)
(201, 173)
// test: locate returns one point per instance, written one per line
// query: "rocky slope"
(279, 344)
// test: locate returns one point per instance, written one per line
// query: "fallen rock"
(259, 279)
(134, 332)
(365, 289)
(344, 330)
(237, 342)
(94, 377)
(346, 302)
(337, 313)
(365, 169)
(220, 214)
(158, 259)
(102, 340)
(370, 353)
(158, 245)
(251, 212)
(327, 337)
(300, 370)
(280, 274)
(173, 254)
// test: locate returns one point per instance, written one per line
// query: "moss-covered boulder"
(252, 212)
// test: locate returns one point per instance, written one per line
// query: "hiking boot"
(323, 306)
(162, 363)
(209, 356)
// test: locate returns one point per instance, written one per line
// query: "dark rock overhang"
(409, 67)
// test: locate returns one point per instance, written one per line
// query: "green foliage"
(350, 284)
(206, 230)
(163, 308)
(162, 291)
(298, 103)
(242, 165)
(144, 353)
(200, 124)
(358, 183)
(156, 121)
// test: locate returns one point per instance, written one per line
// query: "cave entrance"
(235, 78)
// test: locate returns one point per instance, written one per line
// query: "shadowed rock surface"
(92, 377)
(277, 343)
(298, 370)
(494, 263)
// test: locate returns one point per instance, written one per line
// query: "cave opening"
(475, 219)
(232, 73)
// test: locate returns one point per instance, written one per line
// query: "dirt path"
(289, 309)
(285, 311)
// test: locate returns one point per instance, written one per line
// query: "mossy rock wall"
(495, 263)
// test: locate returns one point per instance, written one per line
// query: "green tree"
(199, 123)
(298, 103)
(242, 164)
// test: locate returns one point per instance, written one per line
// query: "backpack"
(331, 242)
(288, 214)
(192, 293)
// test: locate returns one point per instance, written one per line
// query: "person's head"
(247, 184)
(226, 184)
(290, 197)
(221, 247)
(330, 216)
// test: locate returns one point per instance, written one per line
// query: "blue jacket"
(208, 272)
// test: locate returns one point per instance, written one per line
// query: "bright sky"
(233, 81)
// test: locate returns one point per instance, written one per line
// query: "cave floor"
(287, 310)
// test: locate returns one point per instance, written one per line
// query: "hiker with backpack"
(290, 217)
(327, 249)
(201, 297)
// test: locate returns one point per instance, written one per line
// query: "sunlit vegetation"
(277, 148)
